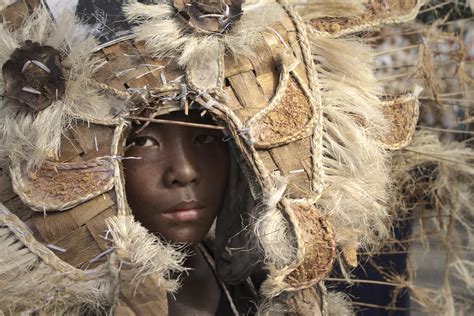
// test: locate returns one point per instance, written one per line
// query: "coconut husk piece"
(377, 13)
(403, 113)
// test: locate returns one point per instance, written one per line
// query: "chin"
(184, 236)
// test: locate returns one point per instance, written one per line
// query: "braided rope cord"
(119, 182)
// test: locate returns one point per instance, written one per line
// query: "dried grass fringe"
(32, 137)
(314, 9)
(355, 193)
(338, 304)
(166, 36)
(450, 192)
(144, 252)
(29, 284)
(277, 241)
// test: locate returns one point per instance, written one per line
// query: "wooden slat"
(17, 207)
(171, 72)
(6, 190)
(93, 139)
(97, 226)
(55, 226)
(235, 65)
(296, 151)
(262, 60)
(80, 248)
(106, 74)
(247, 90)
(129, 66)
(70, 148)
(267, 160)
(274, 42)
(290, 158)
(90, 209)
(269, 83)
(231, 100)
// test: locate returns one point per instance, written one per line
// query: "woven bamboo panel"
(250, 84)
(77, 231)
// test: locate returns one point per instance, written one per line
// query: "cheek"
(139, 178)
(215, 164)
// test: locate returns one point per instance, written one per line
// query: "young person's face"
(177, 188)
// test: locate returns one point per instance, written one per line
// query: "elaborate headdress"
(293, 88)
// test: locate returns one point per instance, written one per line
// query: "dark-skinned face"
(178, 187)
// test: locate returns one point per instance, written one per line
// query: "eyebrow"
(161, 121)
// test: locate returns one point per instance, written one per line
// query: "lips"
(184, 212)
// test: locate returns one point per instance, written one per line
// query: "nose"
(181, 169)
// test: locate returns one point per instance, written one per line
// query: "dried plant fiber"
(33, 137)
(29, 283)
(356, 179)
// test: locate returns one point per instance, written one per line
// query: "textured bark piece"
(79, 238)
(106, 74)
(403, 115)
(56, 187)
(320, 247)
(171, 72)
(377, 14)
(288, 119)
(304, 302)
(37, 68)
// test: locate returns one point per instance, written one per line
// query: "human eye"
(206, 139)
(143, 142)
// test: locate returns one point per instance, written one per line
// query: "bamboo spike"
(161, 121)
